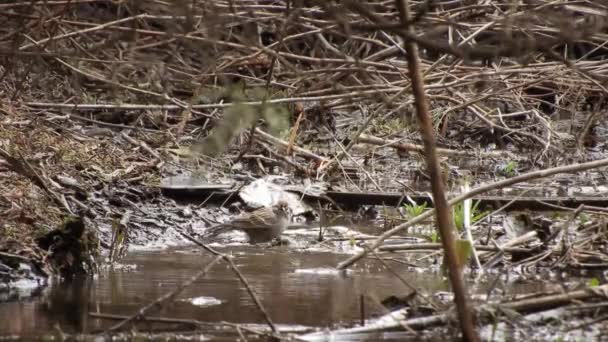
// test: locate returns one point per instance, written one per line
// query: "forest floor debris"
(102, 102)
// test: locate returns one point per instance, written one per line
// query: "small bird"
(261, 225)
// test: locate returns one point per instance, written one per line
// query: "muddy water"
(297, 289)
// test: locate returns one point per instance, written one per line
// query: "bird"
(261, 225)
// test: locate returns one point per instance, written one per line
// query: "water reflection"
(292, 286)
(64, 304)
(297, 288)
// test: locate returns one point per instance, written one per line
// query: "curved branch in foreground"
(477, 191)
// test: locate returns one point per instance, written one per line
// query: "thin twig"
(228, 259)
(166, 297)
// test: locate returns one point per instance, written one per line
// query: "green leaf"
(476, 214)
(434, 237)
(594, 282)
(463, 251)
(510, 169)
(414, 209)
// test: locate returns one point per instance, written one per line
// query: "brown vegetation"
(100, 99)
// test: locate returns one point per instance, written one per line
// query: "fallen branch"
(551, 301)
(286, 159)
(391, 321)
(22, 167)
(278, 142)
(184, 321)
(409, 147)
(145, 147)
(417, 247)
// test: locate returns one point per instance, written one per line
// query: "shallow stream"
(298, 289)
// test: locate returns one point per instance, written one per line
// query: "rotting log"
(221, 192)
